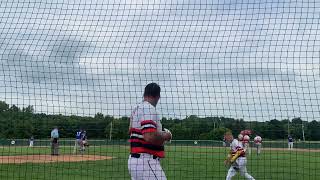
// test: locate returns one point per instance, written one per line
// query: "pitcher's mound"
(50, 159)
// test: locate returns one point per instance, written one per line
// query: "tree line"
(23, 122)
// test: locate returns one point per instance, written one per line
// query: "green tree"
(3, 106)
(14, 108)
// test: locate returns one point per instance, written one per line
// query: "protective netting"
(226, 65)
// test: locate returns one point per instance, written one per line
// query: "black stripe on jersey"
(134, 137)
(145, 128)
(136, 132)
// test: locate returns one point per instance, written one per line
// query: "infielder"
(78, 141)
(147, 138)
(258, 141)
(236, 158)
(240, 137)
(31, 141)
(246, 143)
(290, 142)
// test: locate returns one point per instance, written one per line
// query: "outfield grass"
(182, 162)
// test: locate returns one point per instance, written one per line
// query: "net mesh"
(226, 65)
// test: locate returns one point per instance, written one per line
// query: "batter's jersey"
(144, 119)
(78, 135)
(237, 146)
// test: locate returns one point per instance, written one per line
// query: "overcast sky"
(251, 59)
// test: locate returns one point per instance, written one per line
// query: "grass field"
(182, 162)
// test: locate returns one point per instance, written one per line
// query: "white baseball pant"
(290, 145)
(258, 148)
(247, 148)
(145, 168)
(240, 166)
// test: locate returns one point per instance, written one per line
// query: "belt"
(136, 155)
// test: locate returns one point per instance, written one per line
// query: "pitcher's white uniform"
(144, 160)
(240, 164)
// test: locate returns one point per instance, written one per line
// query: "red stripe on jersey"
(148, 122)
(139, 141)
(144, 150)
(148, 130)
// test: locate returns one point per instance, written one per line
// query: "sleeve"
(148, 121)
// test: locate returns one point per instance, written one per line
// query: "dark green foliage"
(22, 123)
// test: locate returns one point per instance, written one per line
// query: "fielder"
(258, 141)
(31, 141)
(236, 158)
(246, 143)
(147, 138)
(290, 142)
(77, 141)
(240, 137)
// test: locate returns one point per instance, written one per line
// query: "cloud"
(245, 74)
(59, 63)
(244, 59)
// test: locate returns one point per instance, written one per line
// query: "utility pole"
(288, 127)
(304, 139)
(110, 133)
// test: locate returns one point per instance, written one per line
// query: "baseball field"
(184, 161)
